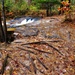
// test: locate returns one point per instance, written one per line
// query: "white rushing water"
(19, 22)
(24, 22)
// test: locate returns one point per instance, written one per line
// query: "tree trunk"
(61, 7)
(47, 9)
(69, 1)
(1, 31)
(47, 12)
(50, 10)
(4, 21)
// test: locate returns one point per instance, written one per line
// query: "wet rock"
(29, 31)
(50, 36)
(53, 36)
(36, 23)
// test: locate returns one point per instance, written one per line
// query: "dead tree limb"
(40, 42)
(43, 42)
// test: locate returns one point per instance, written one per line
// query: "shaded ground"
(45, 49)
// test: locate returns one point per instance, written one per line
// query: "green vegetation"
(22, 7)
(15, 6)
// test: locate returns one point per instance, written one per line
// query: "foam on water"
(22, 21)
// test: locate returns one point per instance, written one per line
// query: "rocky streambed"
(45, 47)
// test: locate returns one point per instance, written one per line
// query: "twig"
(42, 63)
(54, 48)
(4, 64)
(39, 50)
(43, 42)
(27, 67)
(18, 42)
(35, 69)
(26, 50)
(40, 42)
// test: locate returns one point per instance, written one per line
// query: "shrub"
(33, 8)
(20, 7)
(8, 5)
(67, 9)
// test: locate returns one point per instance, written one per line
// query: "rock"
(27, 62)
(53, 36)
(50, 36)
(8, 68)
(29, 31)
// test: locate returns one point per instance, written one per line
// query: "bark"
(60, 7)
(1, 31)
(50, 10)
(47, 12)
(47, 9)
(69, 1)
(4, 21)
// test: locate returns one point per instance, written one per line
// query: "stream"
(20, 21)
(47, 27)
